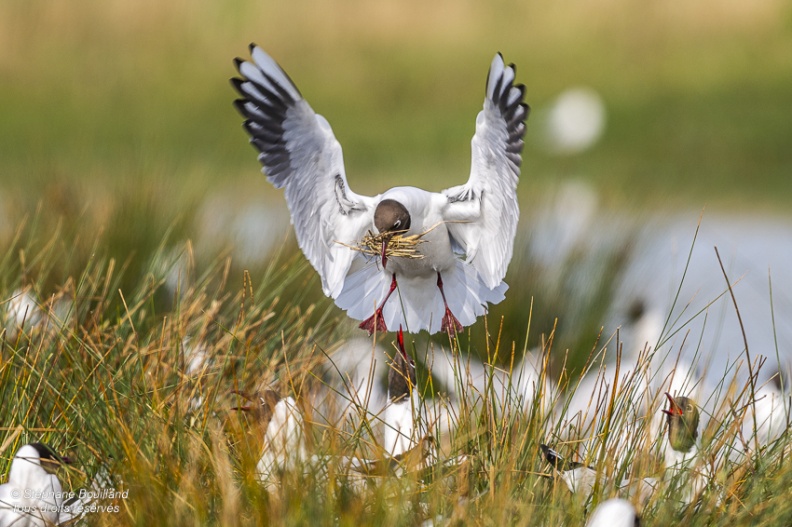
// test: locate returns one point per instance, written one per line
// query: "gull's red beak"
(673, 409)
(385, 242)
(400, 339)
(245, 408)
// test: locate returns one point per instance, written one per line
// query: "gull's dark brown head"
(263, 405)
(390, 217)
(683, 422)
(48, 459)
(401, 377)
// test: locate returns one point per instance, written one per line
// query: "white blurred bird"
(772, 410)
(615, 512)
(466, 232)
(284, 447)
(471, 380)
(79, 504)
(22, 312)
(575, 121)
(353, 376)
(32, 496)
(399, 416)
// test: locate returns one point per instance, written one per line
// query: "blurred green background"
(116, 124)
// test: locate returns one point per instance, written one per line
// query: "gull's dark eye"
(397, 224)
(689, 408)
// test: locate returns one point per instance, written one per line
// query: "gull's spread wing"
(298, 151)
(482, 214)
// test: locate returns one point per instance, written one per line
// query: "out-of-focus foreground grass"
(143, 399)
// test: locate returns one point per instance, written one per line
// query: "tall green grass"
(103, 373)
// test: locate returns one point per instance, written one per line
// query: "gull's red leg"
(376, 321)
(450, 325)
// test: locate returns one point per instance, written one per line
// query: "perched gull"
(285, 450)
(33, 495)
(399, 416)
(580, 479)
(462, 237)
(284, 440)
(684, 467)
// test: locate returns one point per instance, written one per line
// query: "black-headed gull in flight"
(467, 231)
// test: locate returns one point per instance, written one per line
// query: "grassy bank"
(139, 381)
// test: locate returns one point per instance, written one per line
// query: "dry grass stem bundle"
(399, 244)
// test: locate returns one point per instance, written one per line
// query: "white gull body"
(284, 443)
(614, 512)
(468, 230)
(33, 495)
(399, 434)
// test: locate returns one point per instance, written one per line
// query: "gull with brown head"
(33, 495)
(453, 246)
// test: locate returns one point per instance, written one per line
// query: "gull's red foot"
(373, 322)
(451, 325)
(376, 321)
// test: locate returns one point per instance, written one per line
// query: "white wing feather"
(298, 151)
(482, 214)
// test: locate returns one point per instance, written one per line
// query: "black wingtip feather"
(261, 133)
(239, 104)
(236, 82)
(252, 46)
